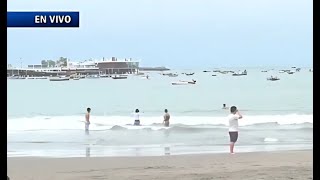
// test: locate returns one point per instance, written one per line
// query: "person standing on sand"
(233, 118)
(87, 122)
(166, 118)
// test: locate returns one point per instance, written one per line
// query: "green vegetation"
(62, 62)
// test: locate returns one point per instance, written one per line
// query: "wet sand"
(281, 165)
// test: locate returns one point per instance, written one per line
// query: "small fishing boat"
(166, 74)
(119, 77)
(189, 74)
(145, 77)
(76, 78)
(104, 76)
(41, 77)
(96, 76)
(273, 78)
(284, 71)
(244, 73)
(172, 75)
(14, 77)
(290, 72)
(206, 71)
(184, 82)
(59, 78)
(213, 75)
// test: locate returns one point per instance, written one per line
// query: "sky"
(171, 33)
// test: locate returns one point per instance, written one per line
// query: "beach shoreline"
(249, 166)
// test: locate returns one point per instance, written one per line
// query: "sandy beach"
(281, 165)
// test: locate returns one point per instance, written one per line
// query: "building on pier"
(105, 66)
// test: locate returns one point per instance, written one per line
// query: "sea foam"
(153, 123)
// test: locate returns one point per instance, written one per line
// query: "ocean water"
(46, 118)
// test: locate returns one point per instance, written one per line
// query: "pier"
(112, 66)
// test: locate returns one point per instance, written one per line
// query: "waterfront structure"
(118, 67)
(90, 67)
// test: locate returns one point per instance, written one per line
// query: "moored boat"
(184, 82)
(284, 71)
(244, 73)
(13, 77)
(96, 76)
(170, 74)
(59, 78)
(119, 77)
(145, 77)
(104, 76)
(41, 77)
(273, 78)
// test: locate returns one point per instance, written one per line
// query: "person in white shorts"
(233, 118)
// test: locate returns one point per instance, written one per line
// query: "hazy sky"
(172, 33)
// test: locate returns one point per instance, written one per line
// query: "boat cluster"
(23, 77)
(71, 77)
(288, 71)
(143, 76)
(67, 78)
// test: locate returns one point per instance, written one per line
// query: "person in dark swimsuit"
(166, 118)
(136, 116)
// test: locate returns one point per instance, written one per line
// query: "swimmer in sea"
(87, 122)
(166, 118)
(136, 116)
(224, 106)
